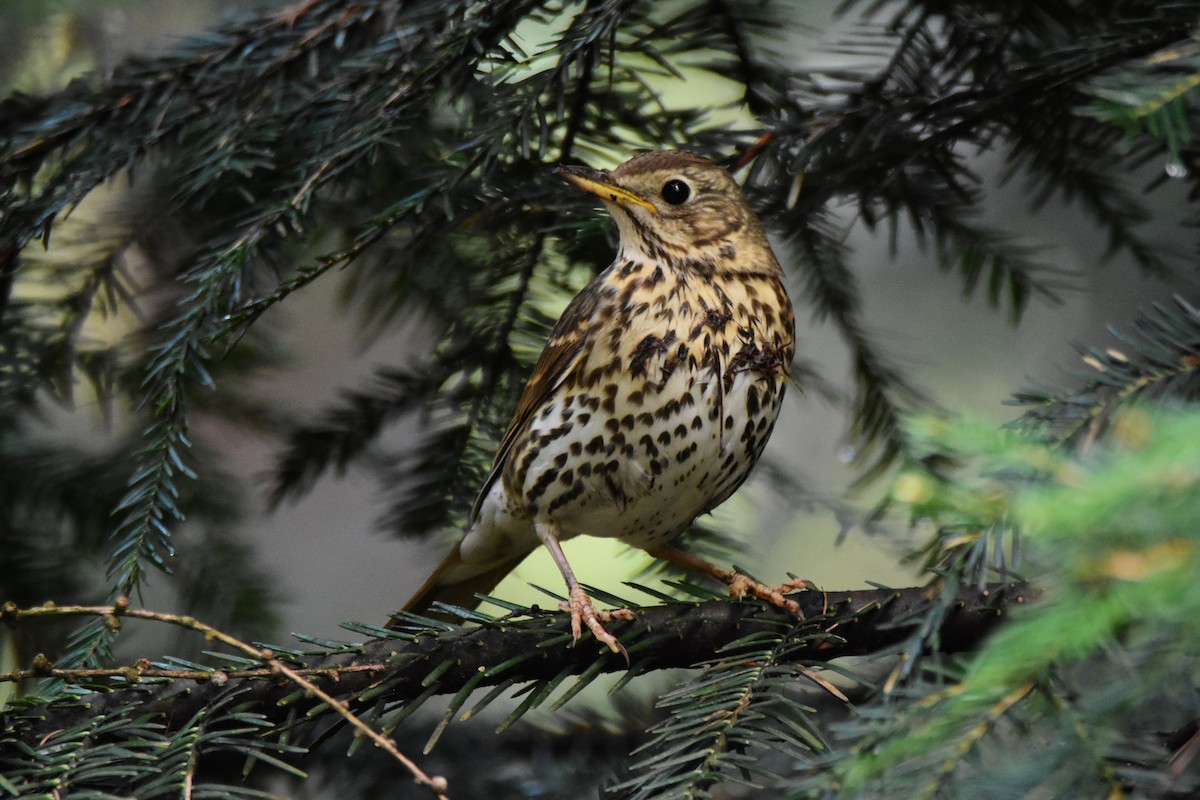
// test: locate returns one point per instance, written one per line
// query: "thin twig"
(138, 671)
(121, 608)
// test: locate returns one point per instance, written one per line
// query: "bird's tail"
(455, 582)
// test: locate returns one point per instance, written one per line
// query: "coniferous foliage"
(1158, 362)
(408, 144)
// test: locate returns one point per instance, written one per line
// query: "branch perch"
(398, 669)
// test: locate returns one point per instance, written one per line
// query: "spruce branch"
(867, 134)
(111, 615)
(1159, 361)
(761, 92)
(1155, 95)
(403, 667)
(152, 100)
(725, 719)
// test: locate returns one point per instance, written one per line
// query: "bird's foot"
(743, 585)
(584, 613)
(739, 585)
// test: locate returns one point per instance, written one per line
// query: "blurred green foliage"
(1100, 670)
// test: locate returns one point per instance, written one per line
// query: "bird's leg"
(739, 585)
(578, 602)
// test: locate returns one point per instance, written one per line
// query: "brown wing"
(563, 352)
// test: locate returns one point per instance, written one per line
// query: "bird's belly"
(642, 468)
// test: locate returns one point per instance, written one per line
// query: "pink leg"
(578, 602)
(739, 584)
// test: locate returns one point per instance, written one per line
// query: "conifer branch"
(1159, 361)
(401, 668)
(111, 615)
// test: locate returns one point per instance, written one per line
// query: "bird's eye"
(676, 192)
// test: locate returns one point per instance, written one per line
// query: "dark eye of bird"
(676, 192)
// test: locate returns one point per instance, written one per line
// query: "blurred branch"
(1158, 361)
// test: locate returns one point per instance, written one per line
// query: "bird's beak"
(594, 181)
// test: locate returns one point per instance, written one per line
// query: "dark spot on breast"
(541, 484)
(649, 346)
(526, 462)
(686, 453)
(627, 294)
(566, 497)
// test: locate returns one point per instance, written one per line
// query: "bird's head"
(677, 207)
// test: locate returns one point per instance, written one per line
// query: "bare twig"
(121, 608)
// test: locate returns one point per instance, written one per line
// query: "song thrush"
(656, 392)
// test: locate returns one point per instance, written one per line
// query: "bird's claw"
(584, 613)
(742, 585)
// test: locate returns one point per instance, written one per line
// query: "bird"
(653, 398)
